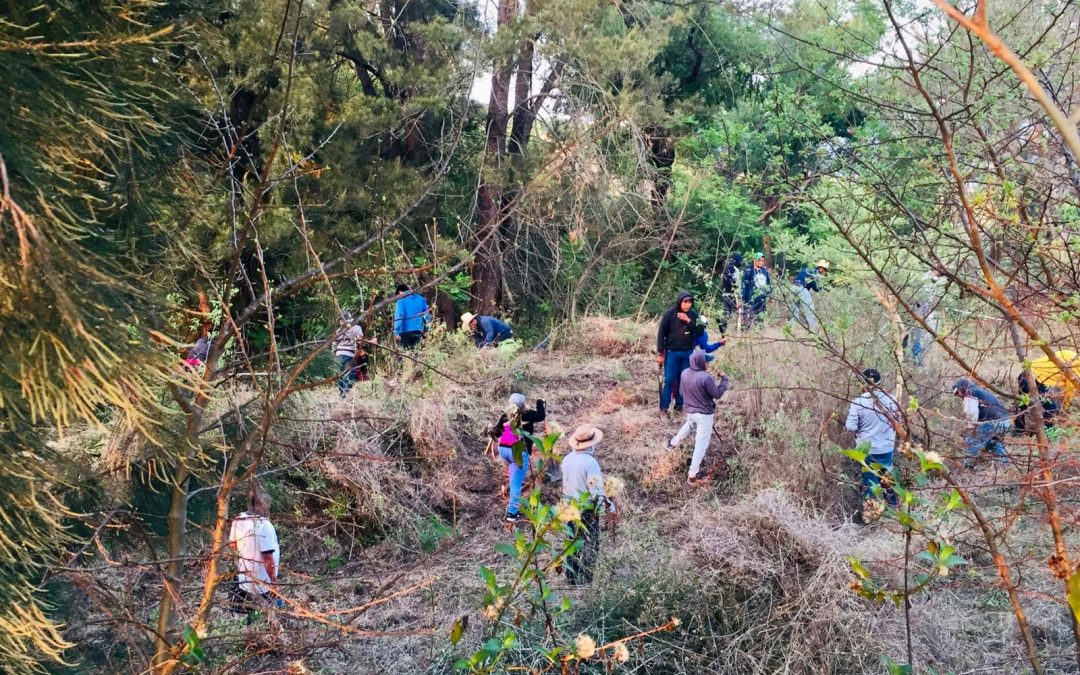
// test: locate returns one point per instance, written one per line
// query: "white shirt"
(348, 341)
(971, 409)
(870, 417)
(253, 536)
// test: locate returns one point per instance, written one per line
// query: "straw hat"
(823, 263)
(467, 318)
(585, 436)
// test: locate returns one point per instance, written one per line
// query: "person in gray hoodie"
(872, 418)
(700, 393)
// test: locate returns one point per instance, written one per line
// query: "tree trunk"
(174, 568)
(487, 269)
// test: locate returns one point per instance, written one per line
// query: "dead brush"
(604, 336)
(800, 614)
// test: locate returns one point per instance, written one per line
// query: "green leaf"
(488, 576)
(459, 629)
(857, 455)
(506, 549)
(1073, 593)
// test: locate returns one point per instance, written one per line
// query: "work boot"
(698, 481)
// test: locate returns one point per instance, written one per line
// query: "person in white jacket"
(872, 418)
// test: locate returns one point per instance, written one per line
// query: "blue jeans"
(987, 436)
(872, 478)
(920, 340)
(348, 376)
(674, 363)
(517, 476)
(802, 308)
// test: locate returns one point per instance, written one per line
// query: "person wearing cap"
(701, 392)
(802, 303)
(756, 289)
(702, 341)
(729, 290)
(873, 417)
(675, 339)
(583, 485)
(516, 418)
(411, 317)
(486, 331)
(988, 418)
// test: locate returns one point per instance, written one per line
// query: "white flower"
(614, 487)
(933, 458)
(586, 646)
(622, 654)
(567, 512)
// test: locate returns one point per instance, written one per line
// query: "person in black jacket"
(507, 432)
(729, 289)
(675, 340)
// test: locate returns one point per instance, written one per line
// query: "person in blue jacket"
(411, 317)
(802, 303)
(703, 338)
(487, 331)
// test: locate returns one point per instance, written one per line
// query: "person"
(701, 392)
(988, 419)
(675, 339)
(253, 539)
(516, 418)
(703, 338)
(198, 353)
(802, 303)
(729, 291)
(583, 485)
(1050, 407)
(756, 289)
(351, 356)
(873, 417)
(486, 331)
(919, 339)
(411, 317)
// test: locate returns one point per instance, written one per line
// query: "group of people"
(683, 353)
(579, 474)
(412, 319)
(745, 292)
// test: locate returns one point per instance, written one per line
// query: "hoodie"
(990, 409)
(674, 334)
(700, 391)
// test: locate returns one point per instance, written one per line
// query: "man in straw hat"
(486, 331)
(700, 392)
(802, 303)
(583, 484)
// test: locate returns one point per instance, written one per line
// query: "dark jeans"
(881, 464)
(348, 374)
(411, 339)
(580, 564)
(731, 311)
(755, 311)
(674, 363)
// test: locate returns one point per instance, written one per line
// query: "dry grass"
(754, 565)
